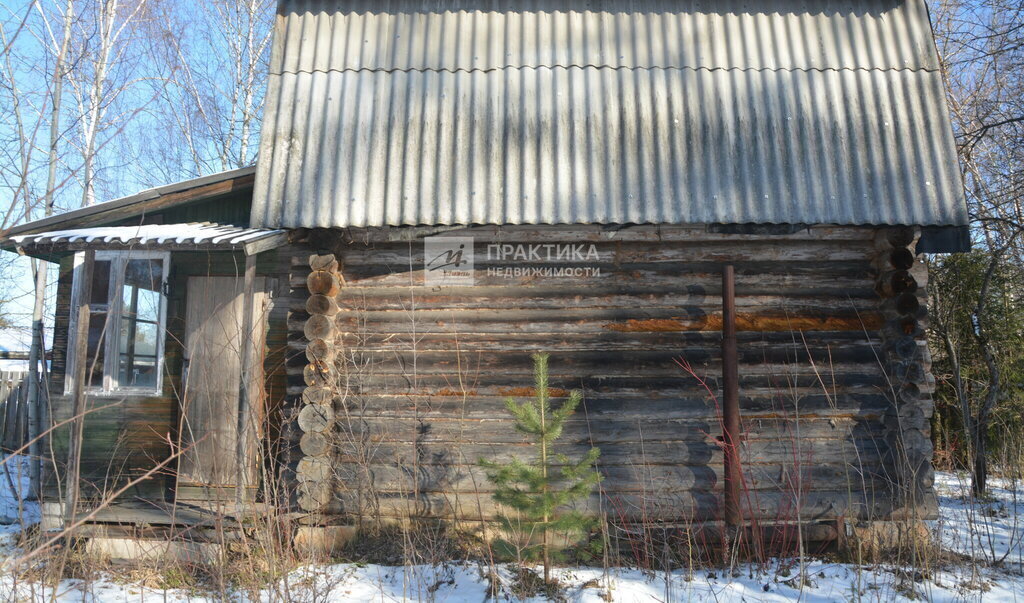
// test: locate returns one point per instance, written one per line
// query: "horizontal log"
(670, 281)
(752, 277)
(597, 432)
(585, 362)
(471, 478)
(318, 326)
(323, 262)
(904, 304)
(323, 282)
(749, 271)
(894, 282)
(318, 375)
(840, 347)
(695, 302)
(762, 379)
(904, 326)
(365, 375)
(909, 393)
(315, 444)
(639, 320)
(314, 496)
(321, 304)
(314, 469)
(689, 506)
(317, 395)
(315, 417)
(908, 371)
(865, 452)
(784, 384)
(608, 340)
(451, 404)
(902, 348)
(318, 350)
(610, 254)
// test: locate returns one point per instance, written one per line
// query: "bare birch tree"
(109, 69)
(216, 61)
(59, 43)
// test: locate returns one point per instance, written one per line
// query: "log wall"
(402, 384)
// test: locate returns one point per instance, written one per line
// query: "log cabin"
(711, 215)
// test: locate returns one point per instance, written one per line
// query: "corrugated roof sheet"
(326, 35)
(662, 112)
(204, 235)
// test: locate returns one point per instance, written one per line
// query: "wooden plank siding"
(421, 372)
(129, 438)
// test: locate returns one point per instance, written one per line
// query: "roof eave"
(147, 201)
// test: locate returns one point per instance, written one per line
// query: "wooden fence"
(13, 409)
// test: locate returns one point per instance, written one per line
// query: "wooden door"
(211, 380)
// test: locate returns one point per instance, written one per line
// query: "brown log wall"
(410, 378)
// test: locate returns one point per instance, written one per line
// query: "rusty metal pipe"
(730, 399)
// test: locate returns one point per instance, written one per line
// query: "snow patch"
(989, 530)
(981, 530)
(15, 510)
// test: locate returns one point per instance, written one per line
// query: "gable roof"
(573, 111)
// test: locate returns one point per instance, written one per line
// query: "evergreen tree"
(538, 491)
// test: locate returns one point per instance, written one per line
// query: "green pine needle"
(538, 494)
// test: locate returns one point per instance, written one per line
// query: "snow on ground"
(823, 582)
(991, 530)
(979, 530)
(15, 511)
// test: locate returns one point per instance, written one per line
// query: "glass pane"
(140, 295)
(138, 371)
(139, 330)
(94, 355)
(145, 337)
(100, 282)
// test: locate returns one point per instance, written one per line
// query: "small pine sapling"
(537, 492)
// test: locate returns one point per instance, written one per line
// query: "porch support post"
(36, 387)
(245, 386)
(77, 423)
(730, 399)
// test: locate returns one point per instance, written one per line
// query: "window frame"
(111, 338)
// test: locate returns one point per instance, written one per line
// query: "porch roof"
(194, 236)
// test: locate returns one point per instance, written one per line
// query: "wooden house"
(711, 215)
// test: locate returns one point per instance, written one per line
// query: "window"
(127, 314)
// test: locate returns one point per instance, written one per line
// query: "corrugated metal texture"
(716, 135)
(322, 35)
(153, 235)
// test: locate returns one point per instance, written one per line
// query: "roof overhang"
(146, 202)
(52, 245)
